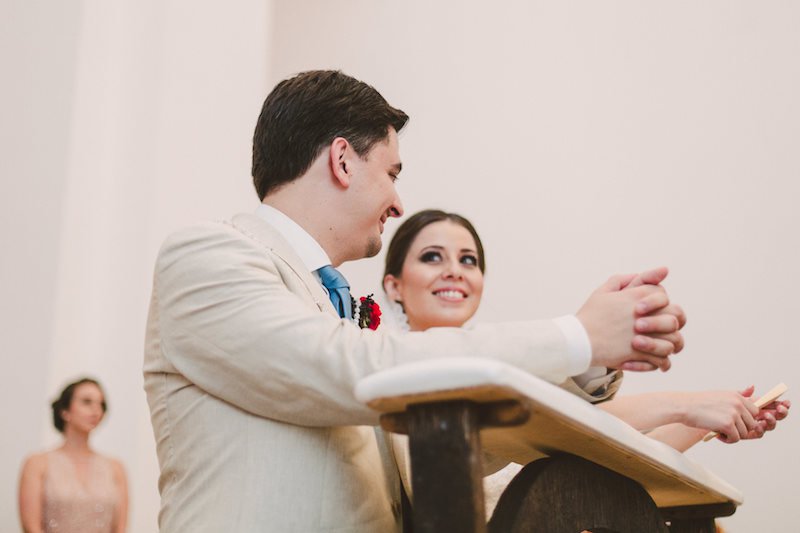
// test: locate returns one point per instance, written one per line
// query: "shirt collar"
(307, 249)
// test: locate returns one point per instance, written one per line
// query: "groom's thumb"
(616, 282)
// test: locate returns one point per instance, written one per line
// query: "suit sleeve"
(229, 324)
(597, 390)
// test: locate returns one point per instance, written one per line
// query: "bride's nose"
(452, 270)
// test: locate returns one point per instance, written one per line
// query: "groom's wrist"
(579, 347)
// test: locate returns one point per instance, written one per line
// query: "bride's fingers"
(769, 422)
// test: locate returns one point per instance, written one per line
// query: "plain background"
(582, 139)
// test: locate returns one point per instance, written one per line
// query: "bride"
(434, 277)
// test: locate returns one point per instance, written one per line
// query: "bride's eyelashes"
(431, 256)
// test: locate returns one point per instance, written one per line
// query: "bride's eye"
(431, 257)
(470, 260)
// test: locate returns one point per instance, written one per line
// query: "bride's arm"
(679, 436)
(730, 413)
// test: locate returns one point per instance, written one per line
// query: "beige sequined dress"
(76, 505)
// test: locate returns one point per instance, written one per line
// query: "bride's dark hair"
(408, 231)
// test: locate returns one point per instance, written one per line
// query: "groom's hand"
(647, 327)
(631, 324)
(654, 306)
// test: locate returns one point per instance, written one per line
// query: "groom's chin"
(373, 247)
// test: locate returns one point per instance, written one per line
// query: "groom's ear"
(393, 287)
(340, 154)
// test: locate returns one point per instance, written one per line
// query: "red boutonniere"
(367, 313)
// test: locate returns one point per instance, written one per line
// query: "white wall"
(127, 120)
(38, 54)
(582, 138)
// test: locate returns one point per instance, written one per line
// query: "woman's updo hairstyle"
(63, 402)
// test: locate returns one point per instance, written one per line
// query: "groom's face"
(374, 198)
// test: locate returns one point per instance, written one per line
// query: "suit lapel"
(264, 234)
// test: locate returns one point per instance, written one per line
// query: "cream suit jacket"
(249, 375)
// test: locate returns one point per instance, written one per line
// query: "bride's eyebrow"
(435, 247)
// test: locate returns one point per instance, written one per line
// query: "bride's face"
(441, 283)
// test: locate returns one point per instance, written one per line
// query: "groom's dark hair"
(302, 115)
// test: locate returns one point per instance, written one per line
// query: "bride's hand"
(731, 414)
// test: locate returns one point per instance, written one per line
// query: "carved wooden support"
(695, 518)
(446, 475)
(560, 494)
(445, 449)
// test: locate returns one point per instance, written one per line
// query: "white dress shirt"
(307, 249)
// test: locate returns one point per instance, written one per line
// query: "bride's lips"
(451, 294)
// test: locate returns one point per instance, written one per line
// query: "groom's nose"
(396, 209)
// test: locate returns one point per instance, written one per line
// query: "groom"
(249, 368)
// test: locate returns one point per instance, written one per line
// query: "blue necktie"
(338, 290)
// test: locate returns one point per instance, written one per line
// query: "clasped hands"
(631, 323)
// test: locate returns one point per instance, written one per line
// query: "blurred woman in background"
(73, 489)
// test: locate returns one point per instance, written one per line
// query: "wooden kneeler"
(567, 494)
(587, 470)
